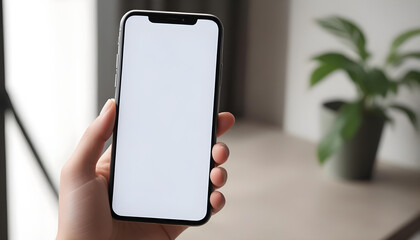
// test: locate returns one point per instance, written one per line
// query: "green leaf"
(401, 58)
(346, 31)
(344, 128)
(329, 144)
(411, 78)
(321, 72)
(408, 112)
(337, 59)
(403, 38)
(393, 56)
(332, 61)
(380, 112)
(394, 87)
(377, 83)
(352, 115)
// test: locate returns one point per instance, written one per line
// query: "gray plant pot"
(356, 159)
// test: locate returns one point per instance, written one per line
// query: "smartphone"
(167, 93)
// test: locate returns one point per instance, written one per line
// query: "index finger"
(224, 123)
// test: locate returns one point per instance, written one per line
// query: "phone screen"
(165, 122)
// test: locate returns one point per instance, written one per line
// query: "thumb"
(81, 165)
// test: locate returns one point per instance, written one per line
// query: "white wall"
(50, 74)
(381, 21)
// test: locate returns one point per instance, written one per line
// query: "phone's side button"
(115, 80)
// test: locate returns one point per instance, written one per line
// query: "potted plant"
(351, 142)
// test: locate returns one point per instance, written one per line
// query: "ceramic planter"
(356, 158)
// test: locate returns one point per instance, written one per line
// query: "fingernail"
(105, 107)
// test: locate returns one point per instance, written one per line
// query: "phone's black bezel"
(175, 18)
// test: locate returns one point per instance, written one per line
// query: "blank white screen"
(165, 119)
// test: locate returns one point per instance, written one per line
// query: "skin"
(84, 211)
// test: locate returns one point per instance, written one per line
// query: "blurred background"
(60, 66)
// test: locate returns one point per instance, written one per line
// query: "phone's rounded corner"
(126, 16)
(204, 220)
(115, 215)
(216, 20)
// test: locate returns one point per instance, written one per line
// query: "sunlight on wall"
(50, 76)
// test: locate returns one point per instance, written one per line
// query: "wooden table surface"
(276, 190)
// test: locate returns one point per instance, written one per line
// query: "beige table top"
(276, 190)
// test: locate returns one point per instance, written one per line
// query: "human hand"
(84, 211)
